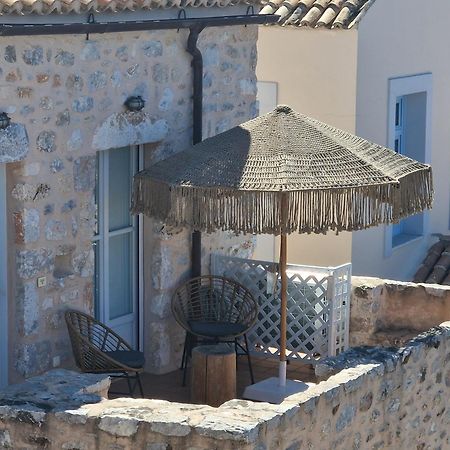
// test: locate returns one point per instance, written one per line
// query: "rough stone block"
(83, 263)
(46, 141)
(90, 52)
(14, 143)
(33, 55)
(76, 141)
(152, 48)
(10, 54)
(83, 104)
(55, 230)
(33, 358)
(84, 169)
(26, 225)
(121, 130)
(64, 58)
(31, 262)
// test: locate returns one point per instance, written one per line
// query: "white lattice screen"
(318, 305)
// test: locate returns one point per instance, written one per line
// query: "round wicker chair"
(98, 349)
(214, 309)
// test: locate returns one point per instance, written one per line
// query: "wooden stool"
(213, 377)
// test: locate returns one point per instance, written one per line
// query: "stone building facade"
(65, 96)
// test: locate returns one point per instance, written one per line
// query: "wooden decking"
(168, 386)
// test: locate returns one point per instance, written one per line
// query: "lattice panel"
(340, 308)
(318, 305)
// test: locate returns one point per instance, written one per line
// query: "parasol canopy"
(329, 179)
(281, 173)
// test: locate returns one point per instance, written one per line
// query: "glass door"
(3, 284)
(116, 243)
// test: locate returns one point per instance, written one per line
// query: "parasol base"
(269, 390)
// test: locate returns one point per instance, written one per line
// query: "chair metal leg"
(183, 358)
(129, 384)
(188, 347)
(139, 382)
(249, 359)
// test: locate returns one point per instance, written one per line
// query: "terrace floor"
(168, 386)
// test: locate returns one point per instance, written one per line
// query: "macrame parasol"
(280, 173)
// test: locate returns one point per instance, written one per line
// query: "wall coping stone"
(363, 283)
(388, 357)
(63, 393)
(56, 390)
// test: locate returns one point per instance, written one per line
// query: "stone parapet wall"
(394, 399)
(386, 312)
(65, 96)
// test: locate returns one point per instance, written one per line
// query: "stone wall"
(391, 399)
(65, 96)
(385, 312)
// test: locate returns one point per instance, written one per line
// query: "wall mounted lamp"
(4, 121)
(134, 104)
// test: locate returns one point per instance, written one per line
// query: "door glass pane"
(120, 270)
(397, 229)
(119, 188)
(96, 247)
(97, 195)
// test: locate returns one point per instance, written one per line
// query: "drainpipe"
(197, 129)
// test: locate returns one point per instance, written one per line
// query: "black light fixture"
(4, 121)
(135, 104)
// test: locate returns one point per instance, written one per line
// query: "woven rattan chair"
(214, 309)
(98, 349)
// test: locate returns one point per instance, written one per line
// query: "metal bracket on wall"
(250, 12)
(181, 15)
(90, 20)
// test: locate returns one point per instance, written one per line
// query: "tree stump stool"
(213, 376)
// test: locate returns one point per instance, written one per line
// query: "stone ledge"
(62, 395)
(388, 357)
(56, 390)
(124, 129)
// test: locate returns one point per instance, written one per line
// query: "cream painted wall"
(397, 39)
(316, 75)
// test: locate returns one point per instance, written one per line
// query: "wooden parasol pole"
(283, 306)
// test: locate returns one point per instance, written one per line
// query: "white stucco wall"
(316, 75)
(397, 39)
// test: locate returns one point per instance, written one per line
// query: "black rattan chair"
(98, 349)
(214, 309)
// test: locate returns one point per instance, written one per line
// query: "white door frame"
(3, 282)
(141, 263)
(103, 306)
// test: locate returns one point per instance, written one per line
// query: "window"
(409, 122)
(267, 96)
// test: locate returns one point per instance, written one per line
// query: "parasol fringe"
(309, 211)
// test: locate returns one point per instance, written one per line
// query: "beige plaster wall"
(316, 75)
(398, 39)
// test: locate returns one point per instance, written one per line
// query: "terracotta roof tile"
(44, 7)
(330, 14)
(436, 266)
